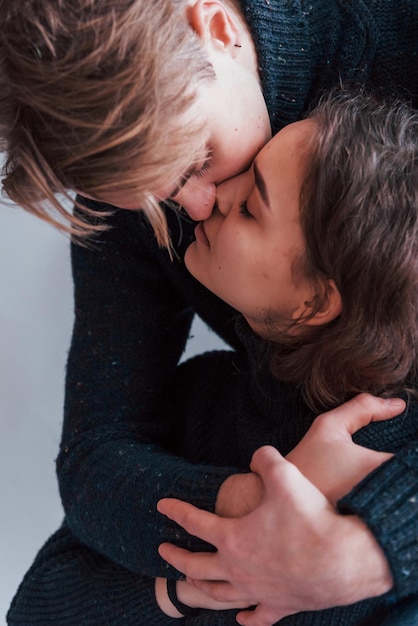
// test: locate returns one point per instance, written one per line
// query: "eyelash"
(243, 209)
(204, 169)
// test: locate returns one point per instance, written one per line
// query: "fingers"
(196, 522)
(284, 483)
(203, 571)
(196, 566)
(278, 474)
(261, 616)
(360, 411)
(266, 460)
(222, 592)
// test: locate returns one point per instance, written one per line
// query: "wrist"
(364, 562)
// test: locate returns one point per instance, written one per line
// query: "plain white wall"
(36, 313)
(35, 325)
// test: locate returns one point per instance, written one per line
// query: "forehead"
(287, 150)
(295, 136)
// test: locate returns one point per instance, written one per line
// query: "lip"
(200, 234)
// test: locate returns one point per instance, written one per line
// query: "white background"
(36, 314)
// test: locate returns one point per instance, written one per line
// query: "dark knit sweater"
(133, 314)
(225, 407)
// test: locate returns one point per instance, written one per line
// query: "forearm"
(385, 493)
(130, 330)
(112, 496)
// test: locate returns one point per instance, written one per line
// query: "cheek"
(225, 248)
(230, 258)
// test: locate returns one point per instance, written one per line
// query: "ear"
(215, 23)
(332, 306)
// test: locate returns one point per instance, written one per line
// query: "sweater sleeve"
(387, 501)
(131, 326)
(70, 584)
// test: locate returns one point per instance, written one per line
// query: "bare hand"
(327, 455)
(292, 553)
(191, 596)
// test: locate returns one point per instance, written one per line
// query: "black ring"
(185, 610)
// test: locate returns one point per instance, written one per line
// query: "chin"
(192, 263)
(256, 327)
(188, 258)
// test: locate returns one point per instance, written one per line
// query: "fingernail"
(395, 402)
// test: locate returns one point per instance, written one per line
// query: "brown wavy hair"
(92, 94)
(359, 215)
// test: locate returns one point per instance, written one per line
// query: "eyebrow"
(260, 183)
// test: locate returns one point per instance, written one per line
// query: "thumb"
(261, 616)
(265, 459)
(361, 411)
(274, 470)
(284, 482)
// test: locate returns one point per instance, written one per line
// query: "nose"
(197, 198)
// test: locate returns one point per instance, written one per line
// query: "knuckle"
(322, 422)
(231, 544)
(366, 401)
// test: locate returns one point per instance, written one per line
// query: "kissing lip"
(200, 234)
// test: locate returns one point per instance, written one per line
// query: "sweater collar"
(277, 400)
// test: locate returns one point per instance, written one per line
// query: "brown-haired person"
(131, 103)
(315, 209)
(329, 213)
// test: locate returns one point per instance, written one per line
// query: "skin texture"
(226, 108)
(246, 251)
(272, 539)
(232, 108)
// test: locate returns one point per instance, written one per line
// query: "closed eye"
(203, 170)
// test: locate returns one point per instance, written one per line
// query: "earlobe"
(216, 23)
(331, 308)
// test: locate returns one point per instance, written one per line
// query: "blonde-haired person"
(117, 101)
(329, 309)
(123, 102)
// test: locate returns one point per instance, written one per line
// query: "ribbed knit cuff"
(387, 501)
(206, 486)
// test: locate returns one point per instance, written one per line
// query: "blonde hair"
(92, 98)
